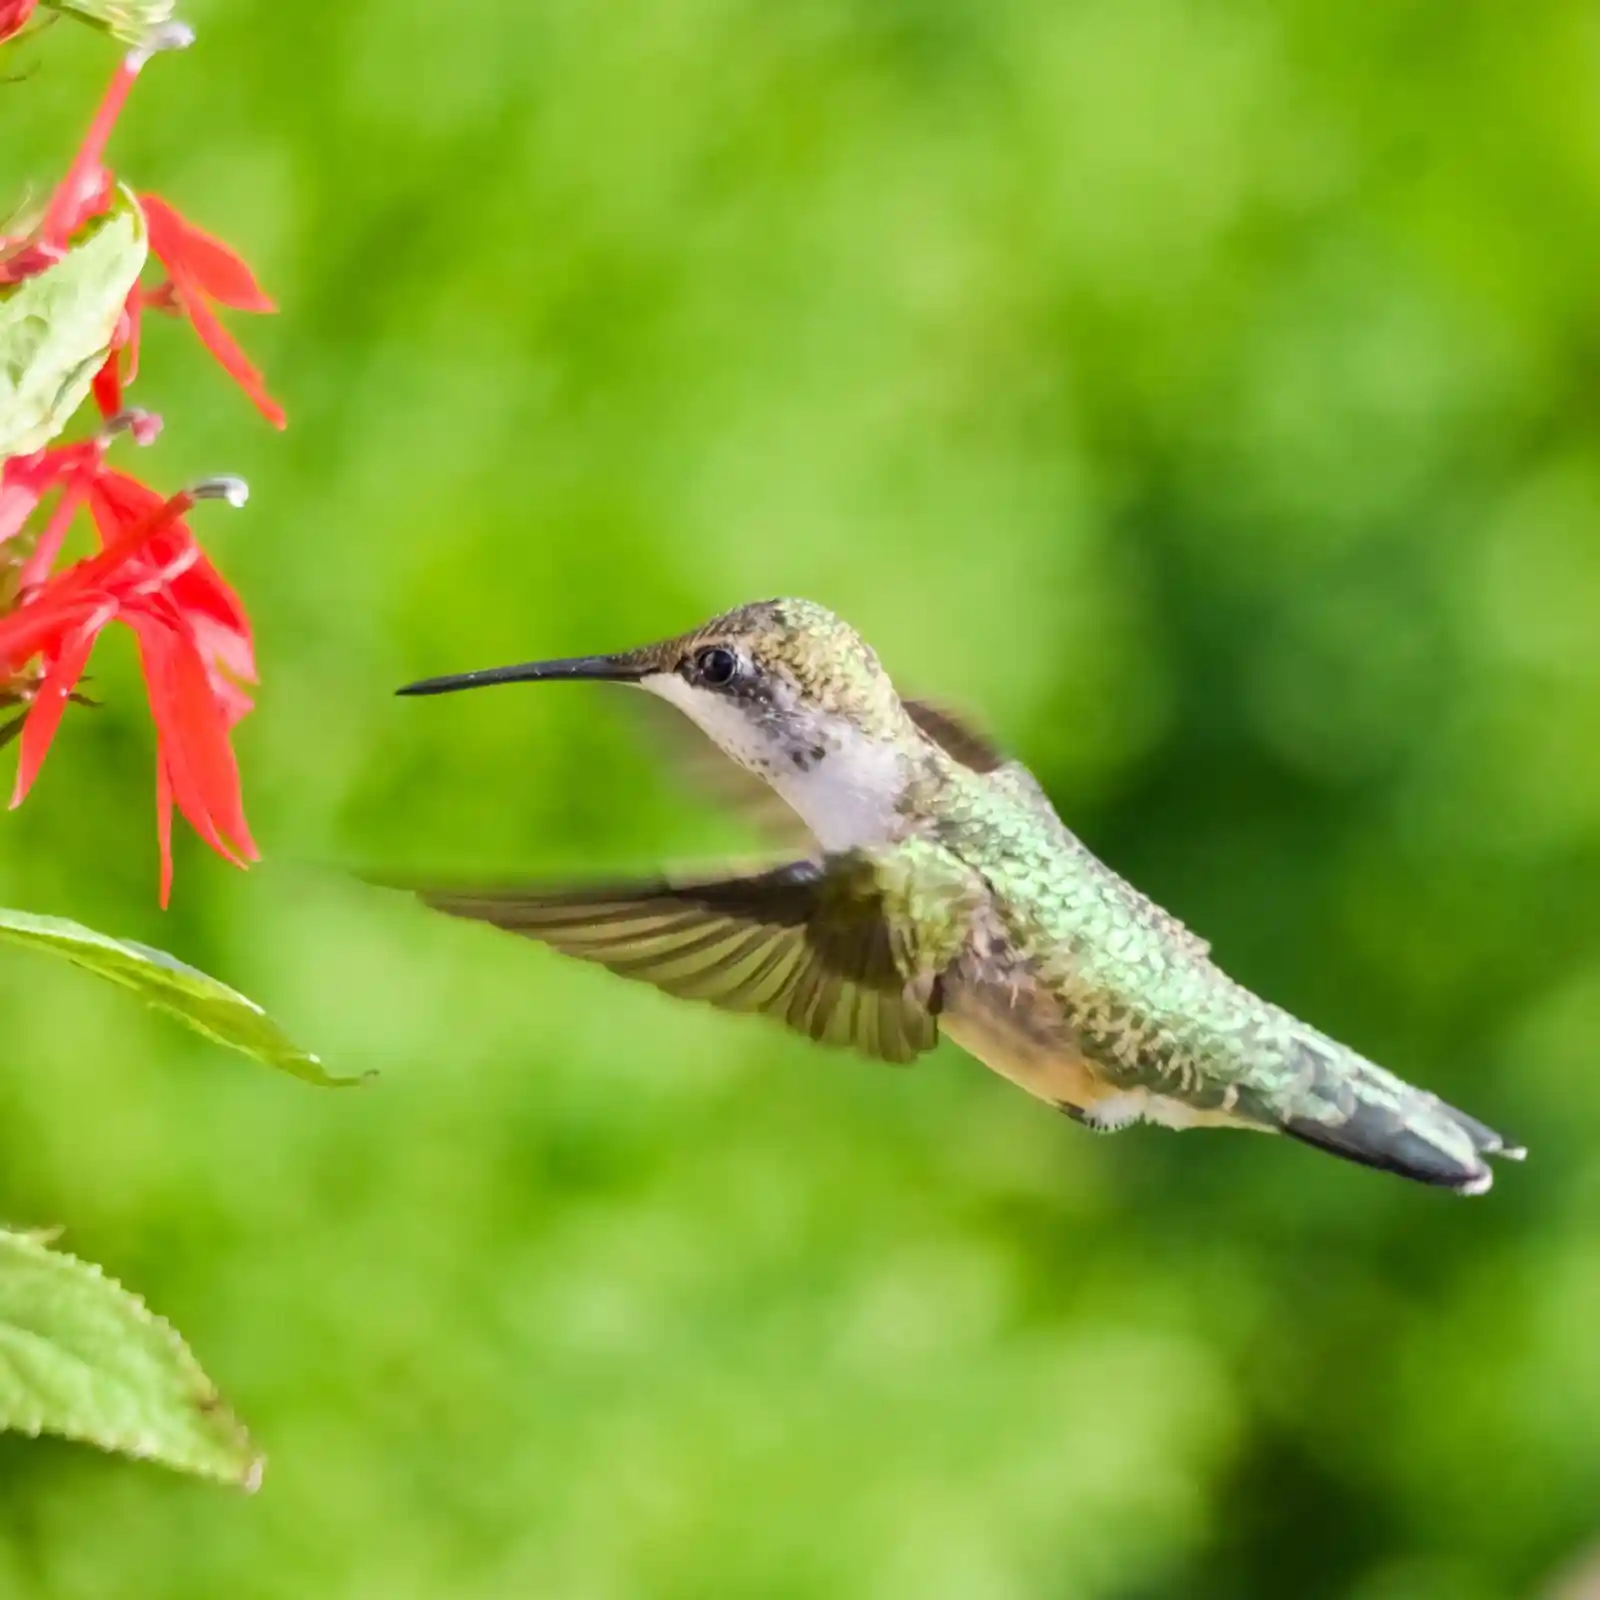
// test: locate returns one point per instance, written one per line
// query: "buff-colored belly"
(1054, 1071)
(1046, 1062)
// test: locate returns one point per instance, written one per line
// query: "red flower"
(14, 15)
(194, 639)
(202, 270)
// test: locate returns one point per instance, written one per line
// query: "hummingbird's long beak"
(627, 668)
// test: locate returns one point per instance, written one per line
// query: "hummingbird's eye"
(716, 666)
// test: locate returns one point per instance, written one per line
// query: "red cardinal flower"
(14, 15)
(202, 271)
(194, 639)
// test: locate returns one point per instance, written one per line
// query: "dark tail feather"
(1377, 1120)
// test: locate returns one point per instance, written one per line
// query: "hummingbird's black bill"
(603, 669)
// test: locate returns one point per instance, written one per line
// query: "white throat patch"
(843, 785)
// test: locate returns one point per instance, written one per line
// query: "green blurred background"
(1205, 392)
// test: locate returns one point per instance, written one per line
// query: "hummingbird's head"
(787, 689)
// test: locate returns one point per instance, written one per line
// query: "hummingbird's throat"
(845, 785)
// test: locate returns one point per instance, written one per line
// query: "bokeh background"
(1207, 393)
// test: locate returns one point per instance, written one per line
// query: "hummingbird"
(933, 889)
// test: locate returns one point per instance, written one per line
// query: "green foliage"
(161, 980)
(55, 327)
(1201, 393)
(83, 1358)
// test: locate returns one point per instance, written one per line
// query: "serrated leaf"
(209, 1007)
(56, 326)
(129, 20)
(83, 1358)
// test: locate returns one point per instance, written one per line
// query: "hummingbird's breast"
(844, 785)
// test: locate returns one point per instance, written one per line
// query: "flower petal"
(210, 607)
(232, 359)
(210, 750)
(118, 502)
(36, 569)
(229, 656)
(33, 628)
(127, 532)
(25, 480)
(108, 381)
(137, 301)
(164, 823)
(106, 385)
(49, 702)
(19, 494)
(194, 738)
(200, 259)
(155, 651)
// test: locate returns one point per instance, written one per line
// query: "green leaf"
(129, 20)
(56, 326)
(207, 1006)
(83, 1358)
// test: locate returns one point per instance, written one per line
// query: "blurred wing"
(956, 736)
(959, 739)
(719, 777)
(808, 944)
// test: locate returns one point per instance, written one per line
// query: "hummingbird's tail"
(1353, 1108)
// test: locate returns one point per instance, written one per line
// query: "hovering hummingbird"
(938, 891)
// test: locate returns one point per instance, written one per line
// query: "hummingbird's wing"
(956, 736)
(719, 777)
(815, 945)
(962, 740)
